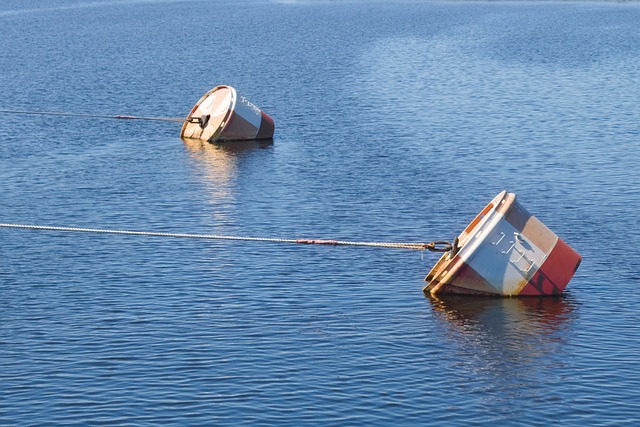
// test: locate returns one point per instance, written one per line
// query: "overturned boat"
(504, 251)
(222, 115)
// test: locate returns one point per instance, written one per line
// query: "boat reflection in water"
(509, 342)
(500, 315)
(219, 172)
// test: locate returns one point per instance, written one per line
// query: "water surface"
(395, 121)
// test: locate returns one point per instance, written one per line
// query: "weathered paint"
(222, 115)
(504, 251)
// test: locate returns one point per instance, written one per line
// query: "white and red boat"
(504, 251)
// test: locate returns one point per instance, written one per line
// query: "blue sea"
(396, 121)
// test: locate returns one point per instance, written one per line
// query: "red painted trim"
(555, 273)
(267, 127)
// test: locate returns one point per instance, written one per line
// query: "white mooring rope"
(412, 246)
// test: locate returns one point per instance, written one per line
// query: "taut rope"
(437, 246)
(101, 116)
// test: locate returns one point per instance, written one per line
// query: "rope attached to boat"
(101, 116)
(436, 246)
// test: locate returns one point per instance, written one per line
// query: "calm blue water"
(395, 121)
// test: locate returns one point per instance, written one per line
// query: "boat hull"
(504, 251)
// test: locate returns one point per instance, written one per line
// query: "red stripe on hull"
(266, 127)
(555, 273)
